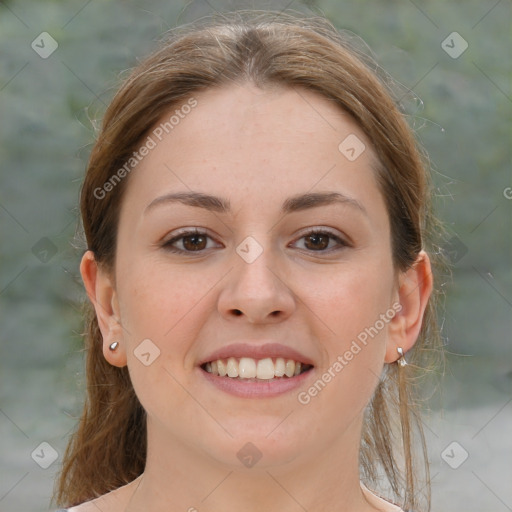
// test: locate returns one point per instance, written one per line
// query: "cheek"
(167, 306)
(347, 301)
(353, 309)
(156, 301)
(162, 305)
(353, 340)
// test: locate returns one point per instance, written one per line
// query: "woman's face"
(257, 172)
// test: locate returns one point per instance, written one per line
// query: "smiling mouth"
(256, 369)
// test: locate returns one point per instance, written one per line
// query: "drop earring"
(401, 360)
(403, 399)
(113, 346)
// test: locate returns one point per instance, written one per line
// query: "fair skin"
(254, 148)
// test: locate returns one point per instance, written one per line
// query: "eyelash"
(196, 232)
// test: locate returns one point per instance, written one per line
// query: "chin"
(259, 444)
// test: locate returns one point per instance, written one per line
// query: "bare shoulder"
(101, 504)
(89, 506)
(377, 502)
(114, 501)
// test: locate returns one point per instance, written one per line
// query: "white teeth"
(232, 367)
(249, 368)
(279, 367)
(221, 368)
(265, 369)
(289, 368)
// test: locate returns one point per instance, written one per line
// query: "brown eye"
(317, 241)
(194, 242)
(322, 241)
(187, 242)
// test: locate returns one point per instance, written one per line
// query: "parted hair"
(108, 448)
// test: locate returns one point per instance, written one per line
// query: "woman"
(257, 222)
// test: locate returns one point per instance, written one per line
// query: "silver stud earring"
(401, 360)
(113, 346)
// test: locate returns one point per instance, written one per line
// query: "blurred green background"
(462, 116)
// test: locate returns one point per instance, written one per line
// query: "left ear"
(414, 289)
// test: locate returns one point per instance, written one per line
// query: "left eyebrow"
(295, 203)
(312, 200)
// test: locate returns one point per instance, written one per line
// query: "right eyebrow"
(197, 199)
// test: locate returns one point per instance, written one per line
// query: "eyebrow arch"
(295, 203)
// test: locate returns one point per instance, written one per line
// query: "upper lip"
(259, 351)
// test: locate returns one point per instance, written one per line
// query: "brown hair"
(109, 446)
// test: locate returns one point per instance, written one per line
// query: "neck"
(179, 478)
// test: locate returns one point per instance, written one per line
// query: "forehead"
(256, 147)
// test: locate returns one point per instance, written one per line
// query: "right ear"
(101, 292)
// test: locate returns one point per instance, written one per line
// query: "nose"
(257, 291)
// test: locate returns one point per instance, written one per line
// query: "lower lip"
(248, 388)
